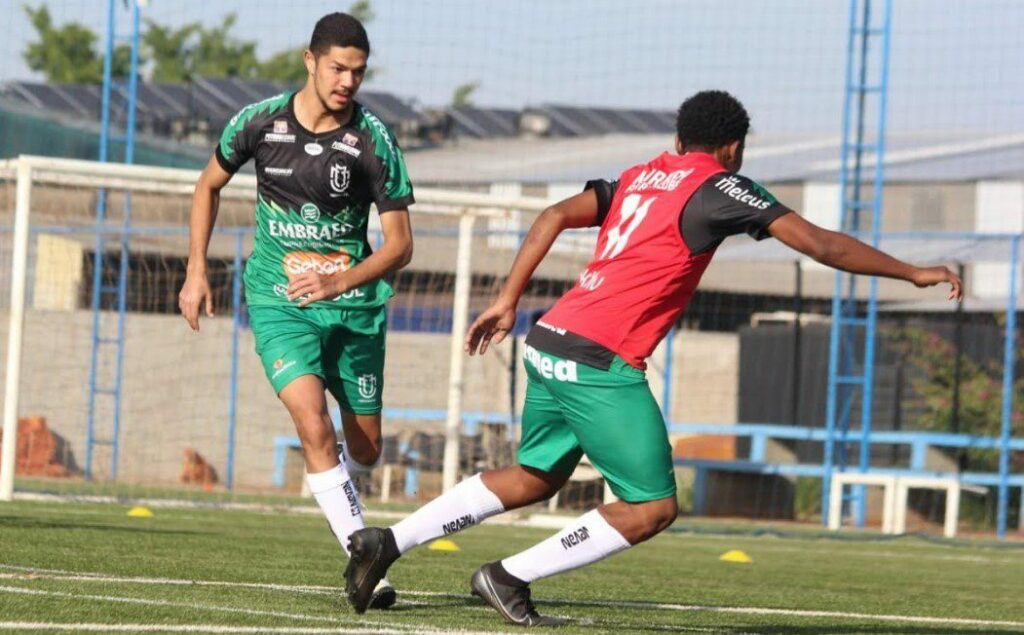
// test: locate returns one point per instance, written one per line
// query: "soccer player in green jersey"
(314, 287)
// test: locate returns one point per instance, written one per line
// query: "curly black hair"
(711, 119)
(338, 29)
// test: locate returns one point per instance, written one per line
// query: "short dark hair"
(711, 119)
(338, 29)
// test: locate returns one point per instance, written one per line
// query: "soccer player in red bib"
(661, 223)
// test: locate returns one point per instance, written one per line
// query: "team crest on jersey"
(280, 126)
(340, 177)
(368, 386)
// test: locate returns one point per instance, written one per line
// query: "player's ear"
(309, 59)
(679, 145)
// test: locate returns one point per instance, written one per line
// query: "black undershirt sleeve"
(726, 205)
(605, 191)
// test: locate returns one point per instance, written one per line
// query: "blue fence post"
(236, 319)
(666, 388)
(1008, 375)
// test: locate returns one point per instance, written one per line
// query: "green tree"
(171, 51)
(286, 66)
(463, 95)
(932, 363)
(67, 54)
(219, 54)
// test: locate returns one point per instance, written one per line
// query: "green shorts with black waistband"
(344, 347)
(610, 415)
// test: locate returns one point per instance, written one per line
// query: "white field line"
(78, 627)
(184, 605)
(741, 610)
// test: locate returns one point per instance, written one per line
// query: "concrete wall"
(176, 388)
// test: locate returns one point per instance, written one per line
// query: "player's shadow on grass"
(17, 522)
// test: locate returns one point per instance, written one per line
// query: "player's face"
(337, 75)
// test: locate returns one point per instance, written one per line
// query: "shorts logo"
(310, 213)
(280, 289)
(368, 386)
(280, 126)
(314, 149)
(280, 366)
(340, 177)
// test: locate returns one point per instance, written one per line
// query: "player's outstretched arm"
(195, 293)
(843, 252)
(395, 253)
(496, 322)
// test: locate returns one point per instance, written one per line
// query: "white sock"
(585, 541)
(463, 506)
(354, 467)
(336, 494)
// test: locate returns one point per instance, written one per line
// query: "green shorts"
(344, 347)
(610, 415)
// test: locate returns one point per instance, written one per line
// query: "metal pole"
(798, 310)
(236, 318)
(460, 318)
(1008, 376)
(831, 405)
(16, 322)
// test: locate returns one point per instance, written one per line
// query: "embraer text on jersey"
(333, 231)
(658, 180)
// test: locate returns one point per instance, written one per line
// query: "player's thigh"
(620, 427)
(288, 344)
(353, 354)
(547, 441)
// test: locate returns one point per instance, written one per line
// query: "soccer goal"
(111, 393)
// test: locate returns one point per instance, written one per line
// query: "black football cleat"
(383, 596)
(511, 601)
(371, 552)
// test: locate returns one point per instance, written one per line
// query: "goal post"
(55, 199)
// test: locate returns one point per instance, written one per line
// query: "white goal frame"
(29, 170)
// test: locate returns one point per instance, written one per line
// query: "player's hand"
(931, 276)
(195, 293)
(492, 325)
(312, 287)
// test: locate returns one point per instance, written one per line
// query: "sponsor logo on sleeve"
(730, 185)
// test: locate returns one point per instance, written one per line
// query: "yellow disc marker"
(736, 556)
(443, 544)
(140, 512)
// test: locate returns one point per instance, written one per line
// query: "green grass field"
(91, 567)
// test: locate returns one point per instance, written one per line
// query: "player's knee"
(361, 458)
(314, 435)
(367, 455)
(661, 514)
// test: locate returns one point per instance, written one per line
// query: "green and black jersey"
(313, 196)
